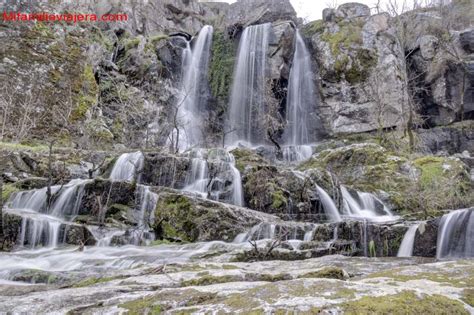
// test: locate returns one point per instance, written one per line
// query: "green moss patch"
(221, 65)
(8, 189)
(327, 272)
(405, 302)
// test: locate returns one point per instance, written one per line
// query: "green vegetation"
(8, 189)
(87, 94)
(176, 218)
(146, 305)
(352, 67)
(94, 280)
(246, 157)
(326, 272)
(468, 296)
(405, 302)
(221, 65)
(313, 27)
(209, 279)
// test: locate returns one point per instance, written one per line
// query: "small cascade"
(329, 206)
(43, 225)
(456, 235)
(147, 205)
(194, 91)
(301, 99)
(246, 111)
(296, 153)
(211, 175)
(197, 180)
(127, 167)
(237, 191)
(308, 235)
(406, 247)
(365, 205)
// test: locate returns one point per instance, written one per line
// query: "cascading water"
(296, 153)
(406, 247)
(364, 205)
(127, 167)
(301, 100)
(41, 225)
(329, 206)
(147, 205)
(194, 90)
(246, 111)
(456, 235)
(199, 179)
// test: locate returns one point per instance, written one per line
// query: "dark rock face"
(180, 217)
(251, 12)
(447, 139)
(426, 239)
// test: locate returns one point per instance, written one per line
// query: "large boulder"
(361, 70)
(186, 218)
(409, 184)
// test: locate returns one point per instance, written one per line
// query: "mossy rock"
(327, 272)
(246, 157)
(8, 190)
(176, 217)
(221, 65)
(405, 302)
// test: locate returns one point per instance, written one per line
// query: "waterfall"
(329, 206)
(406, 247)
(237, 193)
(296, 153)
(211, 172)
(301, 100)
(365, 205)
(198, 177)
(456, 234)
(42, 225)
(146, 206)
(127, 166)
(194, 91)
(246, 111)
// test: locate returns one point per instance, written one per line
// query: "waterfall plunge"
(406, 247)
(364, 205)
(301, 100)
(246, 112)
(329, 206)
(127, 166)
(194, 90)
(456, 234)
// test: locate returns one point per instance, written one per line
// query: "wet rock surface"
(329, 283)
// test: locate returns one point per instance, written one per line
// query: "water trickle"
(194, 91)
(210, 174)
(308, 235)
(329, 206)
(41, 225)
(127, 167)
(197, 179)
(296, 153)
(365, 205)
(246, 111)
(406, 247)
(456, 235)
(147, 204)
(301, 100)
